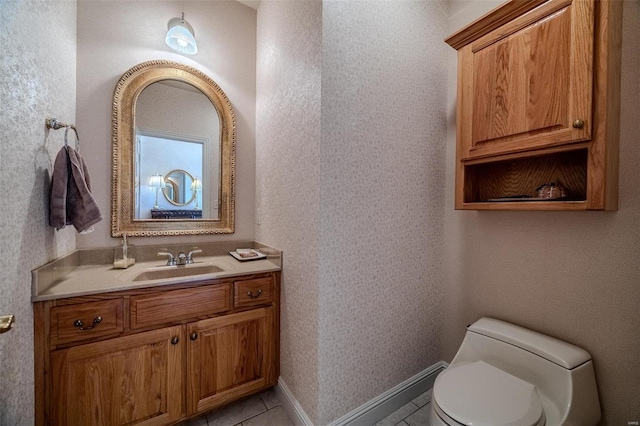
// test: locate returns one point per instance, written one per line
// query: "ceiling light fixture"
(181, 37)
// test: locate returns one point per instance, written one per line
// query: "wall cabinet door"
(538, 103)
(129, 380)
(228, 357)
(529, 83)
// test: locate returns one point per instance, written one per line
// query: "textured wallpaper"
(353, 193)
(38, 79)
(572, 275)
(382, 193)
(288, 177)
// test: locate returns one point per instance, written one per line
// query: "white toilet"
(504, 374)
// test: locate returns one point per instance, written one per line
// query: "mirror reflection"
(180, 188)
(173, 153)
(177, 129)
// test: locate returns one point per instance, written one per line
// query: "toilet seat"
(479, 394)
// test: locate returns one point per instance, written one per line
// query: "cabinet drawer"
(90, 320)
(253, 292)
(177, 305)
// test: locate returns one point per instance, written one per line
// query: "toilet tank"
(562, 373)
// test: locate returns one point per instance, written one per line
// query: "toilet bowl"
(508, 375)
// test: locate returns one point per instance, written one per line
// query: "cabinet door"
(228, 357)
(528, 84)
(129, 380)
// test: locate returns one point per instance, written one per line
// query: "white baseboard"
(291, 405)
(372, 411)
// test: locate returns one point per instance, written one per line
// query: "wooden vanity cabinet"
(228, 357)
(135, 379)
(207, 350)
(538, 102)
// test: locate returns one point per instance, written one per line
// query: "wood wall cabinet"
(539, 102)
(155, 356)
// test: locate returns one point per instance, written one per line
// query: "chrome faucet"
(190, 255)
(171, 261)
(181, 259)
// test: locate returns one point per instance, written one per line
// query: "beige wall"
(288, 177)
(350, 183)
(113, 36)
(572, 275)
(38, 80)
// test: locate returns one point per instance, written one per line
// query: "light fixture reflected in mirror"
(196, 186)
(156, 182)
(181, 37)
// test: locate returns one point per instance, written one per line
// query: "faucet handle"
(171, 261)
(190, 255)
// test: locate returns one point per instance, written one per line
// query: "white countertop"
(103, 278)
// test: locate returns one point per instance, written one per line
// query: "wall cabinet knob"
(578, 124)
(175, 340)
(193, 336)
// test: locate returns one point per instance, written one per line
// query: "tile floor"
(265, 409)
(414, 413)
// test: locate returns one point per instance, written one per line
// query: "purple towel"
(71, 202)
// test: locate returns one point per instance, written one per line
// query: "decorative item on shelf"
(196, 186)
(181, 37)
(157, 182)
(551, 191)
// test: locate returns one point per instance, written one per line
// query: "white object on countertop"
(247, 254)
(124, 256)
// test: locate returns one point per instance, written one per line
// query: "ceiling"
(253, 4)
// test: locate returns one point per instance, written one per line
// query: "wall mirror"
(173, 153)
(181, 188)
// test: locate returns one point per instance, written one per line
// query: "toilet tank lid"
(557, 351)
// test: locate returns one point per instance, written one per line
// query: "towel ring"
(77, 137)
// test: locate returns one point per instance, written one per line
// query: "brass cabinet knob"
(578, 124)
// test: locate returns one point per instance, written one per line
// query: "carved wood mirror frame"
(126, 93)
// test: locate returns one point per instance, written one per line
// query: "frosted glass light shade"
(157, 181)
(196, 185)
(181, 36)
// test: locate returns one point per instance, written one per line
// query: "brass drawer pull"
(79, 324)
(578, 124)
(254, 296)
